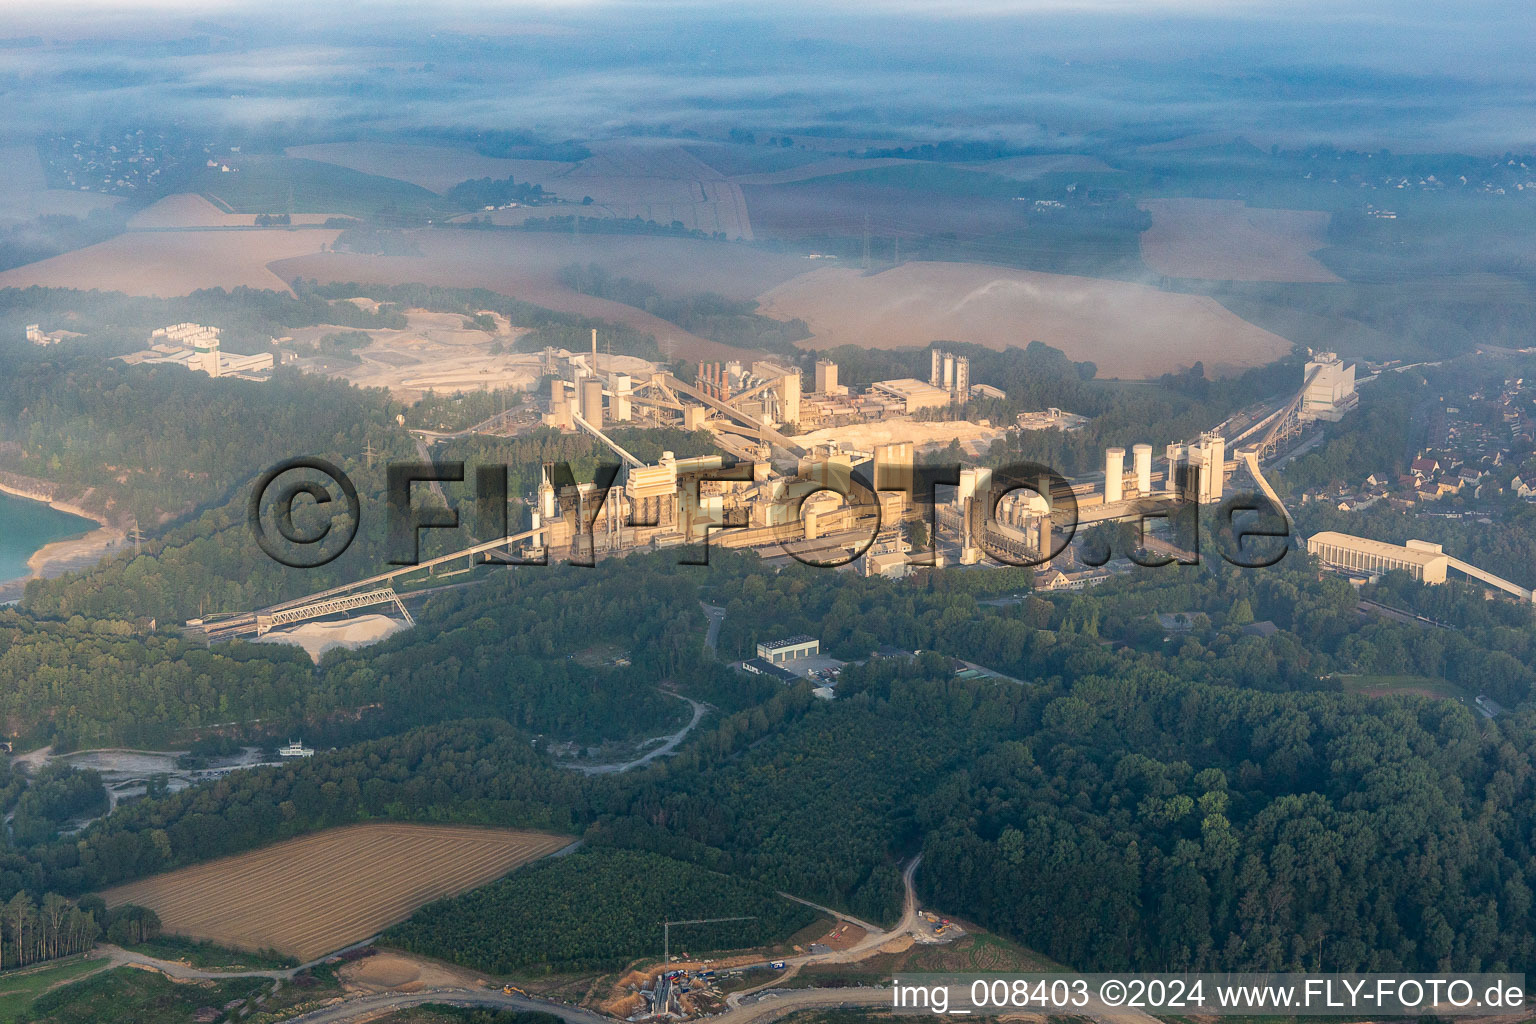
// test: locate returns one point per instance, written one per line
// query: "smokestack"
(594, 350)
(1142, 455)
(1114, 475)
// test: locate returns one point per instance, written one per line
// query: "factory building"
(196, 347)
(1331, 392)
(1420, 559)
(950, 372)
(912, 393)
(1198, 471)
(592, 402)
(619, 402)
(776, 652)
(893, 466)
(826, 378)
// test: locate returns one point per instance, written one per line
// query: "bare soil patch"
(309, 896)
(526, 266)
(1128, 330)
(1222, 239)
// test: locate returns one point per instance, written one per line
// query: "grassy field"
(211, 956)
(1389, 686)
(128, 996)
(19, 989)
(310, 896)
(273, 184)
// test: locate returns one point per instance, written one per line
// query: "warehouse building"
(776, 652)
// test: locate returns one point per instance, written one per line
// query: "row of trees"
(31, 932)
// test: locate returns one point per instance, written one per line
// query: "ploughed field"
(309, 896)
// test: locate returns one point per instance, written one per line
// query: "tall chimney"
(594, 350)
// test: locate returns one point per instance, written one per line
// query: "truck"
(777, 965)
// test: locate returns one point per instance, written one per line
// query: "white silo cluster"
(1114, 473)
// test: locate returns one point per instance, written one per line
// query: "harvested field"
(24, 191)
(526, 266)
(1221, 239)
(168, 263)
(1020, 167)
(309, 896)
(818, 169)
(651, 179)
(904, 198)
(189, 210)
(659, 181)
(437, 168)
(1128, 330)
(1026, 167)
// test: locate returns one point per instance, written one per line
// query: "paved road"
(375, 1006)
(715, 615)
(184, 972)
(662, 751)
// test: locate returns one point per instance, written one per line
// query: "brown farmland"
(1129, 330)
(437, 168)
(526, 265)
(189, 210)
(1221, 239)
(309, 896)
(168, 263)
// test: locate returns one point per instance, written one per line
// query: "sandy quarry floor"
(318, 637)
(396, 972)
(902, 428)
(434, 352)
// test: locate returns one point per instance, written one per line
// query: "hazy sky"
(1407, 76)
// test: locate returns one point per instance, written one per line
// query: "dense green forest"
(156, 444)
(595, 909)
(116, 323)
(56, 795)
(1233, 818)
(506, 645)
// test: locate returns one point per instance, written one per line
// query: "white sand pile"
(318, 637)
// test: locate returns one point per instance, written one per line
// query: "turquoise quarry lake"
(26, 526)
